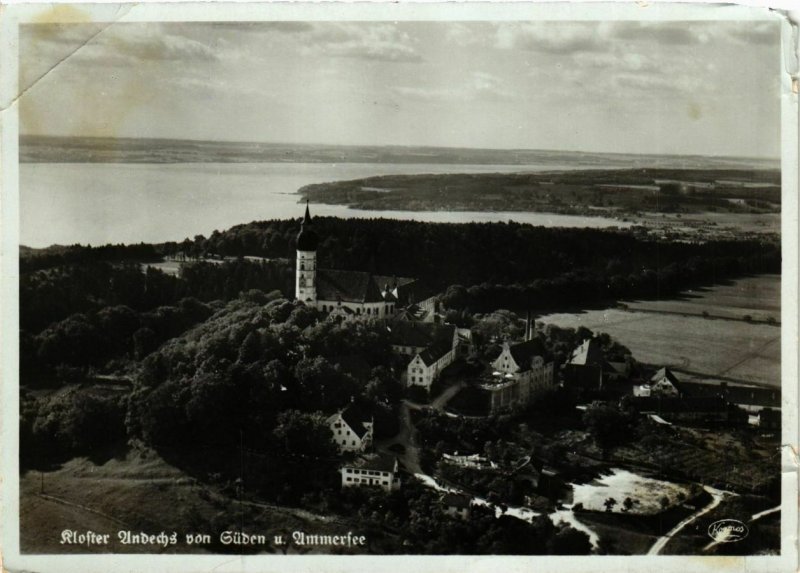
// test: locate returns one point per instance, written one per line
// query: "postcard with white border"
(368, 287)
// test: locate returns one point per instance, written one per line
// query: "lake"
(98, 203)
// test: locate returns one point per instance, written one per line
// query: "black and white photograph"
(400, 285)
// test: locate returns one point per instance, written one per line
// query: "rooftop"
(376, 462)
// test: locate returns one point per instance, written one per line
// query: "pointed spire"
(307, 218)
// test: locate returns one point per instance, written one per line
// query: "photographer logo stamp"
(728, 531)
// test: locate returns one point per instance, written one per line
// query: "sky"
(695, 88)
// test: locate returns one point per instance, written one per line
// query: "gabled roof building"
(375, 470)
(352, 429)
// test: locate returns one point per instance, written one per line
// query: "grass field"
(143, 493)
(674, 333)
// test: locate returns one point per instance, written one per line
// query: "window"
(302, 266)
(354, 442)
(302, 282)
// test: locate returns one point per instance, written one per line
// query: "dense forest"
(507, 265)
(577, 192)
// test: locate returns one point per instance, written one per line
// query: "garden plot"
(648, 496)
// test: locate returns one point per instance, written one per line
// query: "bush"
(418, 394)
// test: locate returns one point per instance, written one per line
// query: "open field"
(703, 348)
(709, 224)
(140, 492)
(758, 297)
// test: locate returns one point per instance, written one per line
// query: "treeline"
(507, 265)
(588, 286)
(54, 256)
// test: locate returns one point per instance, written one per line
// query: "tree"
(610, 503)
(664, 502)
(569, 541)
(144, 342)
(303, 434)
(608, 425)
(627, 504)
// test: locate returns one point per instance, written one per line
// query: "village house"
(432, 347)
(587, 372)
(372, 470)
(663, 383)
(456, 505)
(352, 429)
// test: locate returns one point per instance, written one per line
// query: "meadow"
(674, 332)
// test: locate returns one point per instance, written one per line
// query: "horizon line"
(402, 146)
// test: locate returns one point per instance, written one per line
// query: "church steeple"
(306, 270)
(307, 239)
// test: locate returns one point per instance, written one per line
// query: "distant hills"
(52, 149)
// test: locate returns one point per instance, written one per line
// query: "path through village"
(409, 457)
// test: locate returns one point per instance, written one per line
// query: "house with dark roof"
(456, 504)
(372, 470)
(750, 398)
(588, 371)
(432, 346)
(663, 383)
(345, 294)
(691, 410)
(520, 375)
(352, 429)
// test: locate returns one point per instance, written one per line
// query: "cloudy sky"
(708, 88)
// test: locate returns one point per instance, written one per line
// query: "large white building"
(345, 294)
(520, 376)
(376, 470)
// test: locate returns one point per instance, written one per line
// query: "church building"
(345, 294)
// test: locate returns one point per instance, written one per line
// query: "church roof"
(347, 286)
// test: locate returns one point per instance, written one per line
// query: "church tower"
(306, 272)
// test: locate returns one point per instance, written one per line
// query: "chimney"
(528, 333)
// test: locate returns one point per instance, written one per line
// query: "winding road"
(717, 496)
